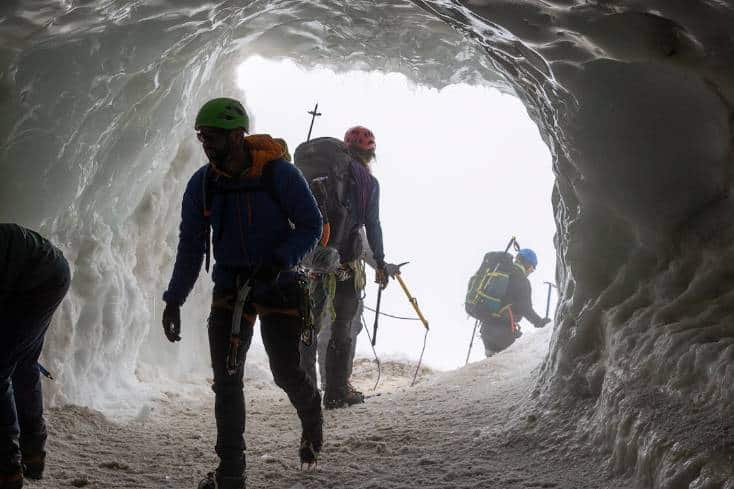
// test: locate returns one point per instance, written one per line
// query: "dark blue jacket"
(248, 229)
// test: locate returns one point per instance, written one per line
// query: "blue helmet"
(528, 256)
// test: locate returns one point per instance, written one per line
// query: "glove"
(381, 275)
(542, 322)
(172, 322)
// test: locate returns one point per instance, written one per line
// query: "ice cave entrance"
(461, 169)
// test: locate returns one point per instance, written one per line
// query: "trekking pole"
(314, 114)
(374, 352)
(513, 243)
(471, 342)
(547, 302)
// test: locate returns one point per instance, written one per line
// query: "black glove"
(542, 322)
(381, 275)
(172, 322)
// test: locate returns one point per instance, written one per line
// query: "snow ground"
(449, 431)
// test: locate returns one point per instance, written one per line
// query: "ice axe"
(314, 114)
(414, 302)
(377, 315)
(547, 302)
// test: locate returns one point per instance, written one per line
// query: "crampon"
(208, 482)
(309, 455)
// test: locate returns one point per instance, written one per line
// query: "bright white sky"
(461, 170)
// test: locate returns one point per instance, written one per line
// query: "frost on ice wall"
(633, 98)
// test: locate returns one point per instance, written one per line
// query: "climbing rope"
(377, 359)
(420, 359)
(402, 318)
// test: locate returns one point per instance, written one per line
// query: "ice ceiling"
(634, 99)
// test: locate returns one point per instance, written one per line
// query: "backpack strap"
(206, 199)
(267, 180)
(267, 185)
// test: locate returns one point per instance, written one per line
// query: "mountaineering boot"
(344, 397)
(312, 439)
(308, 454)
(11, 480)
(216, 481)
(353, 395)
(338, 392)
(336, 375)
(33, 466)
(207, 482)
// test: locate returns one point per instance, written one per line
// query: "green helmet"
(223, 113)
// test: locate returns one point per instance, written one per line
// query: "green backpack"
(488, 286)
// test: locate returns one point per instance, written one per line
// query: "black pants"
(320, 343)
(339, 350)
(281, 336)
(24, 319)
(497, 335)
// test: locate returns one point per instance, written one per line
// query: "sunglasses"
(211, 135)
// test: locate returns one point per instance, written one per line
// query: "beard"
(229, 158)
(365, 156)
(217, 156)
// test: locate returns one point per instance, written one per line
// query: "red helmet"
(360, 137)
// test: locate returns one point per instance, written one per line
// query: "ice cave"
(634, 99)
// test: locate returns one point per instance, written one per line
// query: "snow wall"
(634, 99)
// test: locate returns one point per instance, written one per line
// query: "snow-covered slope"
(460, 430)
(634, 99)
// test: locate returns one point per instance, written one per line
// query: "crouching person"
(501, 330)
(34, 278)
(263, 219)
